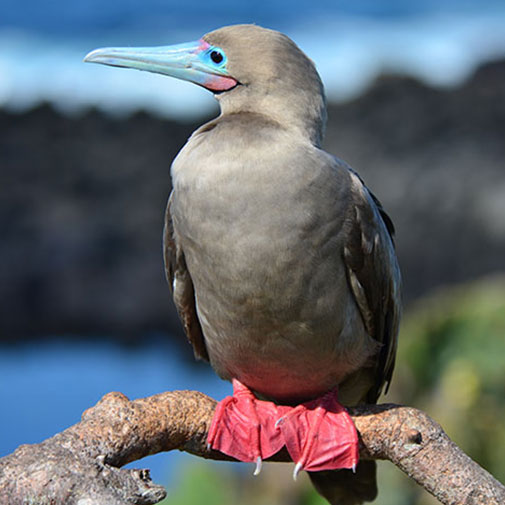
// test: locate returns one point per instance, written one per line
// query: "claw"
(279, 421)
(353, 468)
(209, 446)
(259, 462)
(297, 469)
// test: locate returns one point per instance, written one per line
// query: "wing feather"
(181, 285)
(374, 277)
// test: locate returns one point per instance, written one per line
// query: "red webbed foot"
(244, 427)
(319, 434)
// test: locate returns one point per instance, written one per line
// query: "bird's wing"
(181, 285)
(374, 276)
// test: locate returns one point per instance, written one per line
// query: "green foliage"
(451, 364)
(202, 483)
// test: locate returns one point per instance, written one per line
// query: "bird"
(280, 260)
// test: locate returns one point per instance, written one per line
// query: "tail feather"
(343, 487)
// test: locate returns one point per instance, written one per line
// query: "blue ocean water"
(43, 43)
(45, 387)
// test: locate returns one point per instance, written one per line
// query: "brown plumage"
(280, 260)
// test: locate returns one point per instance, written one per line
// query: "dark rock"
(436, 159)
(81, 211)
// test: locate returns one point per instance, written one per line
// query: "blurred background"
(416, 94)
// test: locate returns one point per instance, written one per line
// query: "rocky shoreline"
(81, 211)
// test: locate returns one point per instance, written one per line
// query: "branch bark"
(82, 465)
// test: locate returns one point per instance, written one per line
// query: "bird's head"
(247, 67)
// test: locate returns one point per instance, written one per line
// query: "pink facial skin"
(204, 45)
(219, 83)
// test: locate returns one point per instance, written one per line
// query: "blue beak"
(194, 61)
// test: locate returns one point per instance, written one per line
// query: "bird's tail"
(343, 487)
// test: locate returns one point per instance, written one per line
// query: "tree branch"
(82, 464)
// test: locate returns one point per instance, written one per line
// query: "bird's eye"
(216, 56)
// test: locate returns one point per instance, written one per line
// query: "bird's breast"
(262, 244)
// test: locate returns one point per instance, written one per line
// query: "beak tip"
(91, 56)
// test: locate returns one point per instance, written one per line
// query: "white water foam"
(441, 50)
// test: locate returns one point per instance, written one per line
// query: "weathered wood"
(81, 465)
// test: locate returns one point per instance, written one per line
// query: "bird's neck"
(303, 114)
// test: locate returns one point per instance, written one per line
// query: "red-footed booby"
(281, 261)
